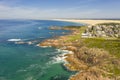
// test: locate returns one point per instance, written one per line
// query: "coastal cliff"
(93, 58)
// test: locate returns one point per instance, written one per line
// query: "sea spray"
(60, 58)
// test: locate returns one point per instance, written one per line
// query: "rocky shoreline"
(90, 63)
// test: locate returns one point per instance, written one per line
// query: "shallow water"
(27, 61)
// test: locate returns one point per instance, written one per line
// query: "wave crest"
(12, 40)
(60, 58)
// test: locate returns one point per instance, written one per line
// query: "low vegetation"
(110, 45)
(111, 24)
(93, 58)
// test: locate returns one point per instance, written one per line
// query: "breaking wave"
(60, 58)
(13, 40)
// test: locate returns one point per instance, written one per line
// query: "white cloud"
(7, 10)
(38, 13)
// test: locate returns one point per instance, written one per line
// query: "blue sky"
(47, 9)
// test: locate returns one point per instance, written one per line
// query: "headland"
(95, 57)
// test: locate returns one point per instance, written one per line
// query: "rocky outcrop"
(91, 74)
(103, 30)
(90, 63)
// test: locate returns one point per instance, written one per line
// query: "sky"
(51, 9)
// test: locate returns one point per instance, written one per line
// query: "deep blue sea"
(28, 61)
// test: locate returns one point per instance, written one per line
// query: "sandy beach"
(89, 22)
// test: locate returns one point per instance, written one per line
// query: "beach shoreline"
(89, 22)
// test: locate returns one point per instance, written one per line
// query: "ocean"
(22, 59)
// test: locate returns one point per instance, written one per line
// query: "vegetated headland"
(96, 50)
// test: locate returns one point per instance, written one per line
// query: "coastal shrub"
(73, 27)
(93, 61)
(79, 43)
(94, 64)
(110, 45)
(90, 74)
(107, 24)
(92, 56)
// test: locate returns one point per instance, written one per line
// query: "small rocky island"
(92, 58)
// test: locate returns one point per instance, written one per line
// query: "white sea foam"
(13, 40)
(21, 70)
(57, 59)
(64, 51)
(40, 28)
(29, 78)
(38, 45)
(60, 58)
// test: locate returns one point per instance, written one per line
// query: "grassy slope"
(77, 36)
(111, 45)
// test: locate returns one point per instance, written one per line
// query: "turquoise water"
(28, 61)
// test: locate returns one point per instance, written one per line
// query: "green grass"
(77, 36)
(111, 45)
(72, 27)
(116, 71)
(107, 24)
